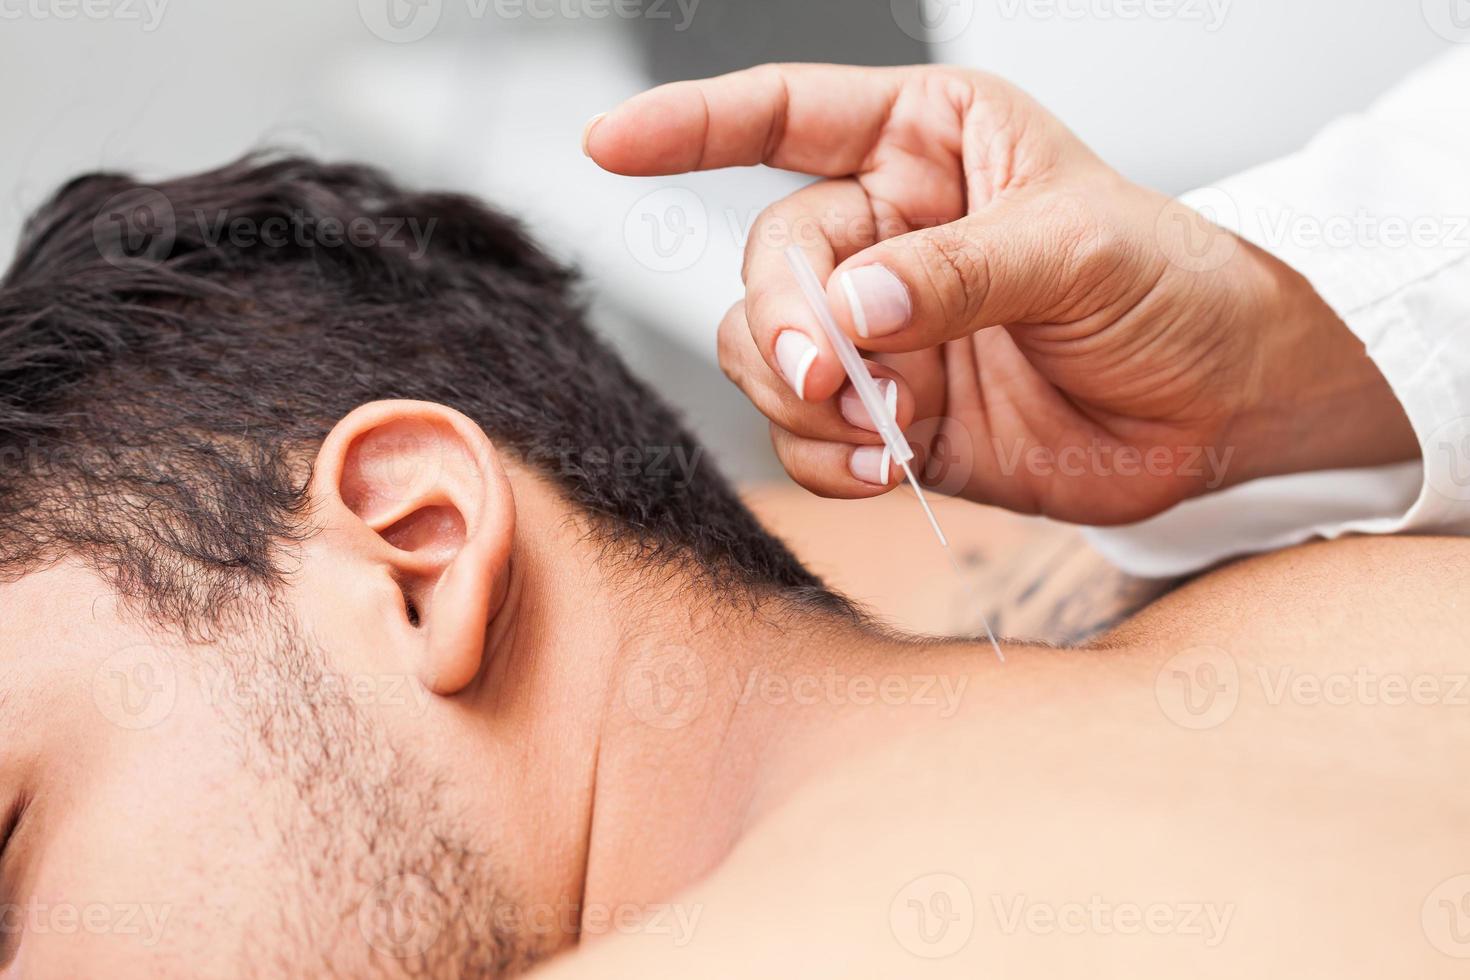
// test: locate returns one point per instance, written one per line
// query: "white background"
(493, 102)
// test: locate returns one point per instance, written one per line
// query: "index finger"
(816, 119)
(829, 220)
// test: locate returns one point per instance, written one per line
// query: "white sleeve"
(1375, 213)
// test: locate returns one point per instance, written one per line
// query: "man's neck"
(714, 708)
(712, 724)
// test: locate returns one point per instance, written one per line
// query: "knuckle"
(792, 417)
(728, 365)
(769, 72)
(1094, 248)
(759, 240)
(982, 98)
(781, 443)
(1093, 251)
(783, 223)
(726, 348)
(959, 270)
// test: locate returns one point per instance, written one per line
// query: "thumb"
(918, 290)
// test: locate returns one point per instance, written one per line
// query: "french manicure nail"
(870, 464)
(879, 300)
(852, 406)
(587, 131)
(795, 353)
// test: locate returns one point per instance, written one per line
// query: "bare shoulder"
(1105, 812)
(1399, 596)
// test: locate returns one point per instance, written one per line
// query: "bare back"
(1258, 775)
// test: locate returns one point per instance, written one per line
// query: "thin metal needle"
(949, 553)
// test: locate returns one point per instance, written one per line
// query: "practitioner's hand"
(1139, 355)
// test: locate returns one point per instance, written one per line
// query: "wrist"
(1314, 399)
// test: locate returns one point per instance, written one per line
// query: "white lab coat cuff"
(1397, 271)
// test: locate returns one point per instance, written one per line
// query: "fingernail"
(795, 353)
(870, 464)
(587, 131)
(879, 300)
(853, 410)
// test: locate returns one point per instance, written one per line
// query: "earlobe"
(419, 491)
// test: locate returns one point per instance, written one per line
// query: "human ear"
(417, 492)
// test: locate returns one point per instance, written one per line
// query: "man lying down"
(339, 642)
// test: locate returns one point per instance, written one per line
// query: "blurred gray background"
(490, 96)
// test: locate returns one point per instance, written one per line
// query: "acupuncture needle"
(898, 447)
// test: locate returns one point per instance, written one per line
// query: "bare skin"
(483, 722)
(1248, 777)
(1029, 579)
(1306, 822)
(1071, 343)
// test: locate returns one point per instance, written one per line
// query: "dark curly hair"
(171, 354)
